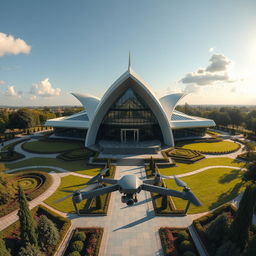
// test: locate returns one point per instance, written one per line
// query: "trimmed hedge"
(13, 205)
(77, 154)
(157, 199)
(205, 220)
(185, 155)
(11, 233)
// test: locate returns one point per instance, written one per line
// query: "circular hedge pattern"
(29, 182)
(222, 147)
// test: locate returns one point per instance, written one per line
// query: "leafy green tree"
(217, 230)
(27, 224)
(2, 125)
(251, 249)
(239, 229)
(250, 174)
(48, 234)
(228, 249)
(21, 119)
(3, 249)
(30, 250)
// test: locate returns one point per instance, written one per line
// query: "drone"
(129, 186)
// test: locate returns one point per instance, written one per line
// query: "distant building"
(129, 113)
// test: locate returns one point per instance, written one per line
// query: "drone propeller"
(189, 195)
(86, 189)
(179, 182)
(192, 198)
(98, 176)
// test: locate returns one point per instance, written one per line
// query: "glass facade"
(129, 111)
(70, 132)
(188, 132)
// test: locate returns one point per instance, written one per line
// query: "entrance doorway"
(129, 135)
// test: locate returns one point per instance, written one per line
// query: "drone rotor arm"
(109, 181)
(163, 191)
(100, 191)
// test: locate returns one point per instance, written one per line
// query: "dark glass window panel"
(129, 111)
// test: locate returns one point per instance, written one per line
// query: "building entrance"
(129, 135)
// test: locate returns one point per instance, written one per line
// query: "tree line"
(226, 116)
(25, 118)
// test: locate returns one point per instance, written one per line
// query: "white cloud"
(211, 49)
(11, 45)
(2, 82)
(219, 62)
(44, 89)
(217, 71)
(10, 92)
(191, 88)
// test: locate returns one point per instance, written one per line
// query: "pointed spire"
(129, 63)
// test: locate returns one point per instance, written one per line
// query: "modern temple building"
(129, 113)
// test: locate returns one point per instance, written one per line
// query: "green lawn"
(67, 183)
(50, 146)
(213, 147)
(213, 187)
(184, 168)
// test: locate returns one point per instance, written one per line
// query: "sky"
(49, 49)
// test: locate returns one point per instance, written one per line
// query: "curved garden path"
(204, 169)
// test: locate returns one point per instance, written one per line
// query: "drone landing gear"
(187, 206)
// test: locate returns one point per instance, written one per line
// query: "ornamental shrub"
(186, 245)
(228, 249)
(74, 253)
(188, 253)
(48, 234)
(79, 236)
(183, 235)
(30, 250)
(77, 246)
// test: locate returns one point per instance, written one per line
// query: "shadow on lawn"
(228, 196)
(234, 174)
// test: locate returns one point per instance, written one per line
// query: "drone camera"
(130, 202)
(77, 197)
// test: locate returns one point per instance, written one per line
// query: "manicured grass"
(213, 147)
(213, 187)
(184, 168)
(71, 183)
(80, 165)
(48, 146)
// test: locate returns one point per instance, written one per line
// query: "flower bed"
(85, 241)
(177, 242)
(11, 233)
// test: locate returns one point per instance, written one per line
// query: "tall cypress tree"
(27, 224)
(239, 229)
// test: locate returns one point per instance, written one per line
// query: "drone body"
(130, 185)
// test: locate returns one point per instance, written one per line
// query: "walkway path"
(206, 168)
